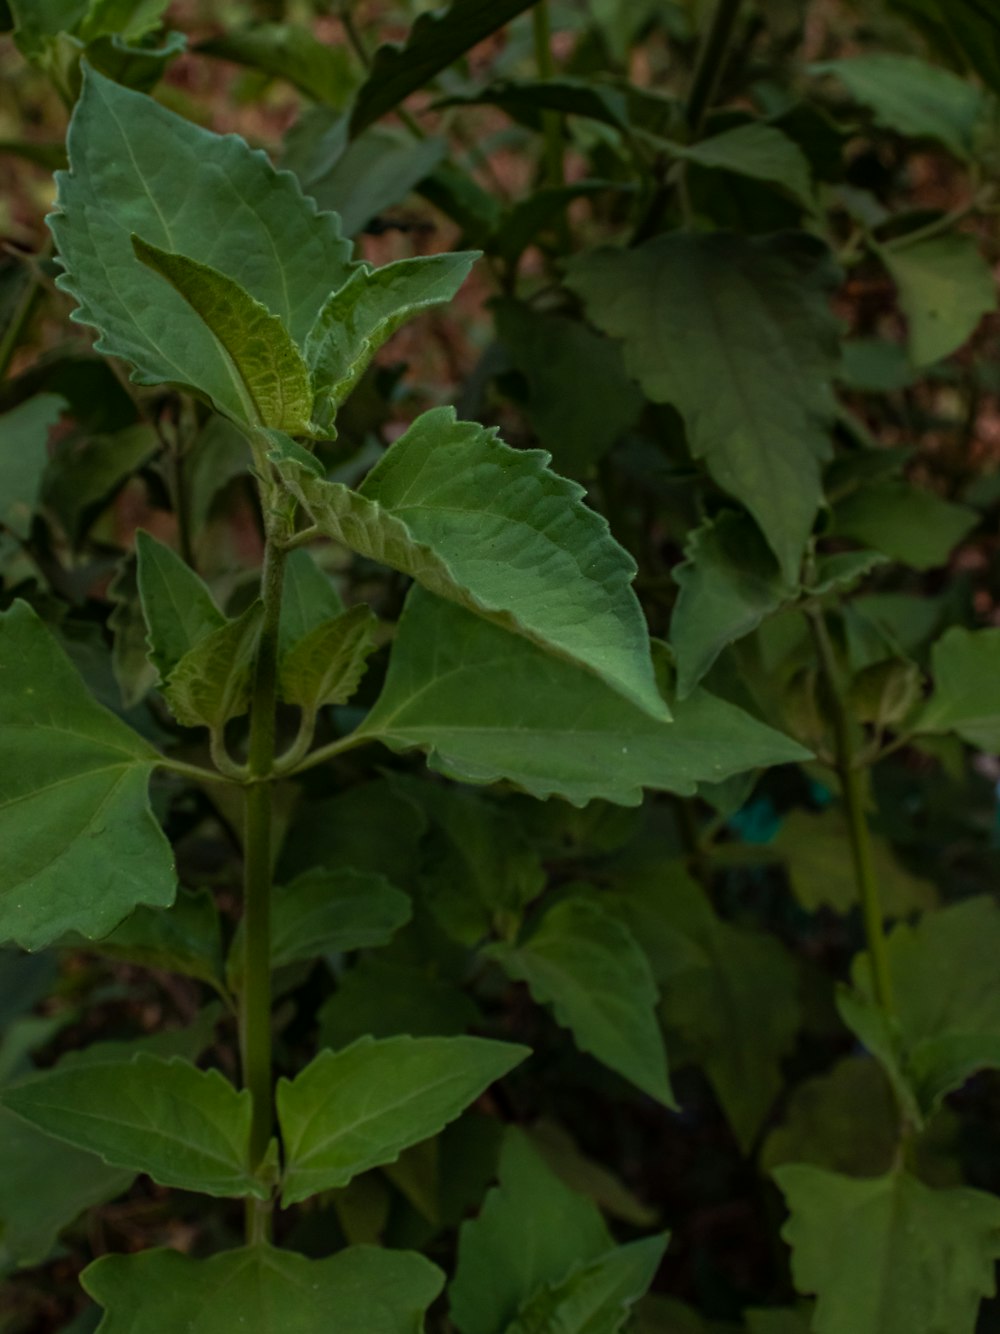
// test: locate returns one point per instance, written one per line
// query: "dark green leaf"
(211, 683)
(286, 51)
(759, 151)
(24, 436)
(179, 610)
(385, 1000)
(598, 1296)
(968, 30)
(328, 911)
(904, 522)
(965, 665)
(945, 287)
(186, 938)
(309, 599)
(84, 473)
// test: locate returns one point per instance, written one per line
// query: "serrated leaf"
(259, 1290)
(82, 848)
(24, 435)
(178, 608)
(356, 320)
(586, 964)
(887, 1255)
(355, 1109)
(185, 1127)
(904, 522)
(137, 168)
(211, 683)
(487, 706)
(686, 305)
(326, 666)
(965, 665)
(758, 151)
(945, 287)
(287, 51)
(532, 1231)
(729, 582)
(260, 378)
(436, 40)
(449, 492)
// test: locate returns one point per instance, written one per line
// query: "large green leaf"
(887, 1255)
(965, 665)
(436, 40)
(358, 1108)
(259, 377)
(586, 964)
(82, 848)
(24, 435)
(597, 1298)
(494, 530)
(259, 1290)
(737, 334)
(356, 320)
(138, 168)
(183, 1126)
(487, 706)
(178, 608)
(531, 1232)
(945, 287)
(904, 522)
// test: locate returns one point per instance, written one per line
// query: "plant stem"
(551, 121)
(858, 832)
(255, 1001)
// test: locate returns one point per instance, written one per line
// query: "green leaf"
(179, 610)
(259, 377)
(813, 847)
(81, 846)
(85, 472)
(309, 599)
(352, 1110)
(356, 320)
(586, 964)
(136, 168)
(435, 41)
(130, 20)
(904, 522)
(532, 1231)
(328, 911)
(382, 999)
(286, 51)
(580, 399)
(965, 665)
(912, 97)
(597, 1297)
(737, 334)
(186, 938)
(369, 827)
(326, 666)
(967, 30)
(24, 436)
(211, 683)
(259, 1290)
(758, 151)
(487, 705)
(447, 491)
(185, 1127)
(887, 1255)
(729, 582)
(945, 287)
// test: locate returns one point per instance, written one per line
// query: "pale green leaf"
(492, 529)
(130, 20)
(309, 598)
(597, 1298)
(24, 435)
(586, 964)
(887, 1255)
(178, 608)
(211, 683)
(945, 287)
(737, 334)
(327, 665)
(81, 847)
(265, 381)
(487, 706)
(137, 168)
(356, 320)
(965, 665)
(185, 1127)
(758, 151)
(322, 71)
(355, 1109)
(259, 1290)
(531, 1232)
(904, 522)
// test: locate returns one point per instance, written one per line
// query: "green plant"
(449, 594)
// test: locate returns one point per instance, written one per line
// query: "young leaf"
(446, 493)
(326, 666)
(356, 320)
(211, 683)
(183, 1126)
(945, 288)
(687, 305)
(257, 376)
(531, 1232)
(352, 1110)
(82, 848)
(435, 41)
(905, 522)
(24, 435)
(965, 665)
(487, 705)
(887, 1255)
(758, 151)
(137, 168)
(260, 1290)
(587, 966)
(179, 609)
